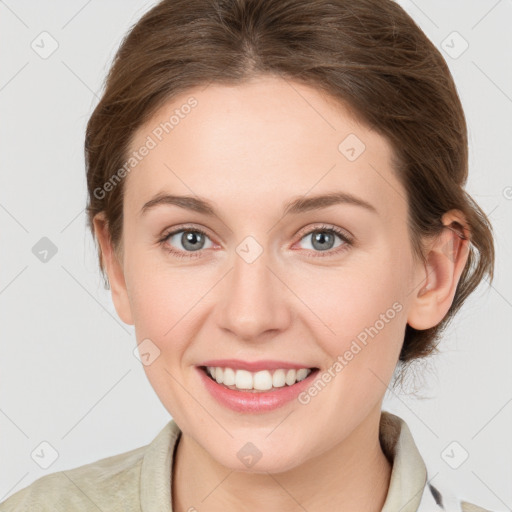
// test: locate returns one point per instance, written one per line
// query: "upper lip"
(254, 366)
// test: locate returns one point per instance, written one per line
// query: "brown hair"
(368, 54)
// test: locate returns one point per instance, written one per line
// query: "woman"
(260, 130)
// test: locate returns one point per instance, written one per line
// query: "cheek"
(348, 300)
(359, 323)
(166, 302)
(362, 314)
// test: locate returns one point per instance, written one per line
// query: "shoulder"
(470, 507)
(438, 499)
(85, 488)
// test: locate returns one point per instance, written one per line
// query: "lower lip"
(247, 402)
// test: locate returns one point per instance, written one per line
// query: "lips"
(251, 401)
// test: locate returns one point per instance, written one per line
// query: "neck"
(351, 476)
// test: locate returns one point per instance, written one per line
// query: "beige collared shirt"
(140, 480)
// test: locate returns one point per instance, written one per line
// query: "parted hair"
(368, 54)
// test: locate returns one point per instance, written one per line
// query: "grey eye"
(190, 240)
(322, 240)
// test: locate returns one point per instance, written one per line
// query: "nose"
(255, 301)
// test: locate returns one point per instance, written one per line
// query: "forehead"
(268, 139)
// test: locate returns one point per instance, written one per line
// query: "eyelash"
(348, 241)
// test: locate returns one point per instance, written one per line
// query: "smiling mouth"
(257, 382)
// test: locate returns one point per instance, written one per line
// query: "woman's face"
(266, 283)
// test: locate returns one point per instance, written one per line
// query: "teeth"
(229, 377)
(259, 381)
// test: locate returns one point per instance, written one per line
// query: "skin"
(249, 149)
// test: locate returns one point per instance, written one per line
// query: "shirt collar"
(155, 477)
(408, 474)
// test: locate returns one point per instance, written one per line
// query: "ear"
(113, 268)
(445, 260)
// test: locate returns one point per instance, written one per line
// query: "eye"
(323, 239)
(187, 240)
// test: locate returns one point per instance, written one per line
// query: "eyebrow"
(295, 206)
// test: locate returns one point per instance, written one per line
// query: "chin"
(249, 459)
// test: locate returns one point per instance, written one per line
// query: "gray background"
(68, 375)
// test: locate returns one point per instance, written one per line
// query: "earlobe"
(113, 269)
(439, 276)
